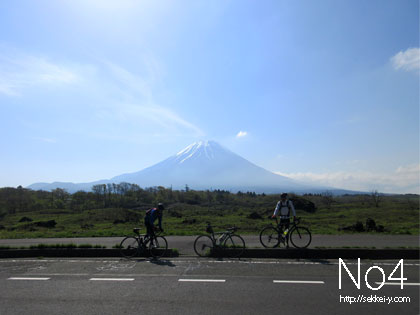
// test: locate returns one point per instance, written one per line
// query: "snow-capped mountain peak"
(197, 149)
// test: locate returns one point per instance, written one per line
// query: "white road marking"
(60, 274)
(111, 279)
(201, 280)
(28, 278)
(398, 283)
(298, 281)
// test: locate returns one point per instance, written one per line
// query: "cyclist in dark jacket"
(150, 218)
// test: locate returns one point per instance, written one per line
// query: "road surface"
(203, 286)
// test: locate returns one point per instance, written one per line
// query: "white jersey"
(282, 209)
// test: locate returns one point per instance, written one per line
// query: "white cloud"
(153, 118)
(47, 140)
(121, 102)
(404, 179)
(141, 111)
(408, 60)
(241, 134)
(131, 84)
(21, 71)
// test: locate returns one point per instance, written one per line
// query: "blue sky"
(321, 91)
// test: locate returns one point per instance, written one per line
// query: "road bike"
(143, 245)
(275, 236)
(227, 241)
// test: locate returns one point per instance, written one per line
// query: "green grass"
(398, 215)
(53, 246)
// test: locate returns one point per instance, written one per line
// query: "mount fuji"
(202, 165)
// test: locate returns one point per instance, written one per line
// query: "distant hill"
(203, 165)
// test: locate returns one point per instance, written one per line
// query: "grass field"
(397, 215)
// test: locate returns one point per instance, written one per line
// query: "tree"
(100, 191)
(327, 198)
(376, 198)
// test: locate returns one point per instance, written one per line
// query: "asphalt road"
(185, 243)
(202, 286)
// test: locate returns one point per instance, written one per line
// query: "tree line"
(122, 195)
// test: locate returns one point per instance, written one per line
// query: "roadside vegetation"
(55, 246)
(113, 210)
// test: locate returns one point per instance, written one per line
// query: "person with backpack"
(282, 210)
(150, 218)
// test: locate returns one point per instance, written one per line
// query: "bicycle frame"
(226, 242)
(271, 236)
(142, 239)
(145, 238)
(292, 225)
(223, 235)
(156, 245)
(280, 229)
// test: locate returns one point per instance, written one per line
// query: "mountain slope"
(207, 164)
(202, 165)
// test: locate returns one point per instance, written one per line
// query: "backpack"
(149, 211)
(287, 204)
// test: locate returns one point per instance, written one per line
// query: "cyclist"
(282, 210)
(150, 218)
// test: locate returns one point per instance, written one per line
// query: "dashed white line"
(298, 281)
(201, 280)
(28, 278)
(397, 283)
(111, 279)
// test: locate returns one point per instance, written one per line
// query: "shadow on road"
(162, 262)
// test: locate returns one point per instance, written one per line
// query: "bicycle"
(142, 245)
(204, 245)
(272, 236)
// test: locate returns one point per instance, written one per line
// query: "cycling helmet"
(160, 206)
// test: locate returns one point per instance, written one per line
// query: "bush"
(175, 214)
(370, 225)
(46, 224)
(87, 226)
(254, 216)
(357, 227)
(303, 204)
(189, 221)
(25, 219)
(380, 228)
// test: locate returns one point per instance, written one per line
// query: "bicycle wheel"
(300, 237)
(269, 237)
(203, 245)
(129, 247)
(235, 245)
(158, 246)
